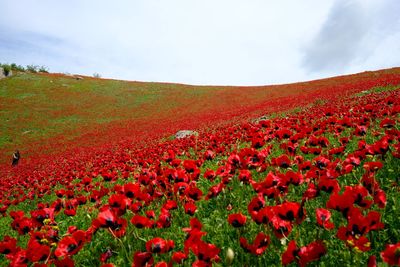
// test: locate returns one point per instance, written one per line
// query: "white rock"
(184, 134)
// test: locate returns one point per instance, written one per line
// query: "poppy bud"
(229, 256)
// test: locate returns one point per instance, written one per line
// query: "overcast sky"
(220, 42)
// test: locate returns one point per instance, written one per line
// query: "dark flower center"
(71, 247)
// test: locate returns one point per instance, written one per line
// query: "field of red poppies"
(312, 181)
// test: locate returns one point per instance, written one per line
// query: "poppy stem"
(48, 257)
(122, 243)
(371, 237)
(138, 237)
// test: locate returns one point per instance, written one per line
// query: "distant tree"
(17, 67)
(96, 75)
(32, 68)
(44, 69)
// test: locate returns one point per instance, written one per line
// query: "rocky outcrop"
(3, 74)
(185, 133)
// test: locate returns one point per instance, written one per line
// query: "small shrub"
(6, 69)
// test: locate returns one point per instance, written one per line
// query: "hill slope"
(47, 114)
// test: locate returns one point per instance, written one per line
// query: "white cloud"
(186, 41)
(355, 36)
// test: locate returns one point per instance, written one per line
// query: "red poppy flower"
(169, 155)
(118, 203)
(373, 219)
(170, 205)
(175, 162)
(373, 166)
(244, 176)
(359, 243)
(255, 205)
(306, 165)
(23, 225)
(288, 211)
(353, 160)
(70, 207)
(237, 220)
(131, 190)
(159, 245)
(234, 160)
(206, 252)
(70, 245)
(215, 190)
(359, 194)
(292, 177)
(310, 193)
(253, 158)
(190, 208)
(257, 142)
(290, 253)
(381, 146)
(313, 251)
(142, 259)
(150, 214)
(195, 224)
(380, 198)
(259, 245)
(321, 162)
(336, 150)
(136, 207)
(210, 175)
(282, 161)
(360, 130)
(107, 218)
(37, 252)
(8, 245)
(387, 123)
(303, 255)
(193, 192)
(323, 217)
(391, 254)
(342, 203)
(209, 155)
(161, 264)
(65, 262)
(119, 228)
(283, 133)
(164, 220)
(41, 214)
(141, 221)
(371, 261)
(281, 227)
(179, 257)
(225, 171)
(106, 255)
(190, 165)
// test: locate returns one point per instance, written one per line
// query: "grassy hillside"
(315, 182)
(48, 113)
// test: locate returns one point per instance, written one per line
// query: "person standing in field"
(16, 157)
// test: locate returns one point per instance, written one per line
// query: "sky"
(202, 42)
